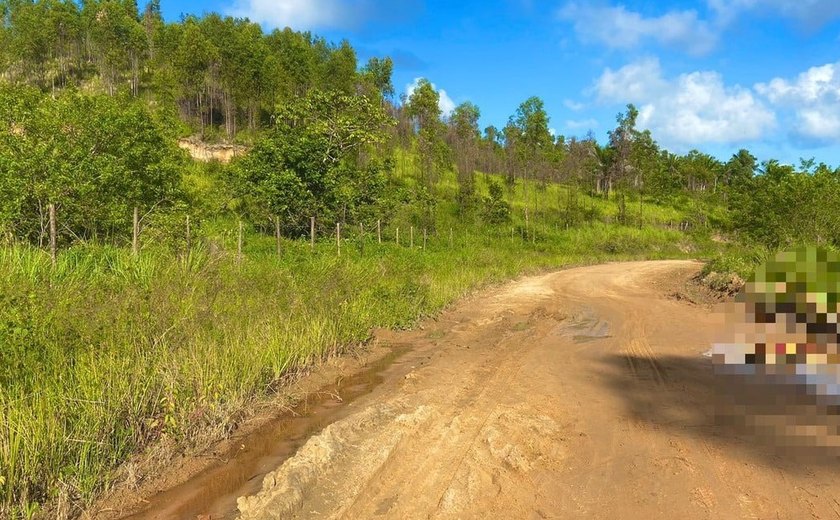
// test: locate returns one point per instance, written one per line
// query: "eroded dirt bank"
(581, 393)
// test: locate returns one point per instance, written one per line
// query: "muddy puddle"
(585, 328)
(213, 492)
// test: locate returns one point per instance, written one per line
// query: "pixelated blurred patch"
(803, 281)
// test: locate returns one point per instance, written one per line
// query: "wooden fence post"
(189, 243)
(424, 238)
(379, 230)
(338, 237)
(312, 232)
(526, 223)
(53, 235)
(398, 236)
(239, 244)
(411, 239)
(135, 233)
(277, 234)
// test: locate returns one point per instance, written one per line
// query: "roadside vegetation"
(145, 297)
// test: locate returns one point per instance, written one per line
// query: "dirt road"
(582, 393)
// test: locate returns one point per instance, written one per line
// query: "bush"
(496, 210)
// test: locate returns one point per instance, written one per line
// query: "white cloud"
(581, 124)
(813, 13)
(637, 81)
(446, 104)
(816, 85)
(688, 110)
(574, 106)
(819, 126)
(814, 97)
(619, 28)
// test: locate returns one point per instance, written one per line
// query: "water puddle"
(591, 331)
(214, 491)
(585, 328)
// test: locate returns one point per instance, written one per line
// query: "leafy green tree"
(379, 71)
(152, 22)
(297, 63)
(309, 163)
(665, 182)
(40, 39)
(192, 61)
(513, 162)
(739, 170)
(464, 137)
(94, 157)
(532, 121)
(424, 108)
(621, 144)
(340, 69)
(535, 143)
(119, 40)
(700, 171)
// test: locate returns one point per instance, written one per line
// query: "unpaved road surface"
(578, 394)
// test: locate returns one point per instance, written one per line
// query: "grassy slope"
(107, 353)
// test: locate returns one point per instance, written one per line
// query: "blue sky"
(715, 75)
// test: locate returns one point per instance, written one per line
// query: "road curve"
(581, 393)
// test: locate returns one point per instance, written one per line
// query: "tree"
(513, 158)
(464, 137)
(94, 157)
(581, 164)
(532, 143)
(534, 137)
(532, 121)
(119, 41)
(192, 61)
(739, 170)
(152, 23)
(378, 71)
(621, 141)
(700, 171)
(491, 151)
(309, 163)
(340, 69)
(424, 108)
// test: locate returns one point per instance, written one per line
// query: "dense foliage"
(313, 162)
(291, 93)
(94, 157)
(221, 72)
